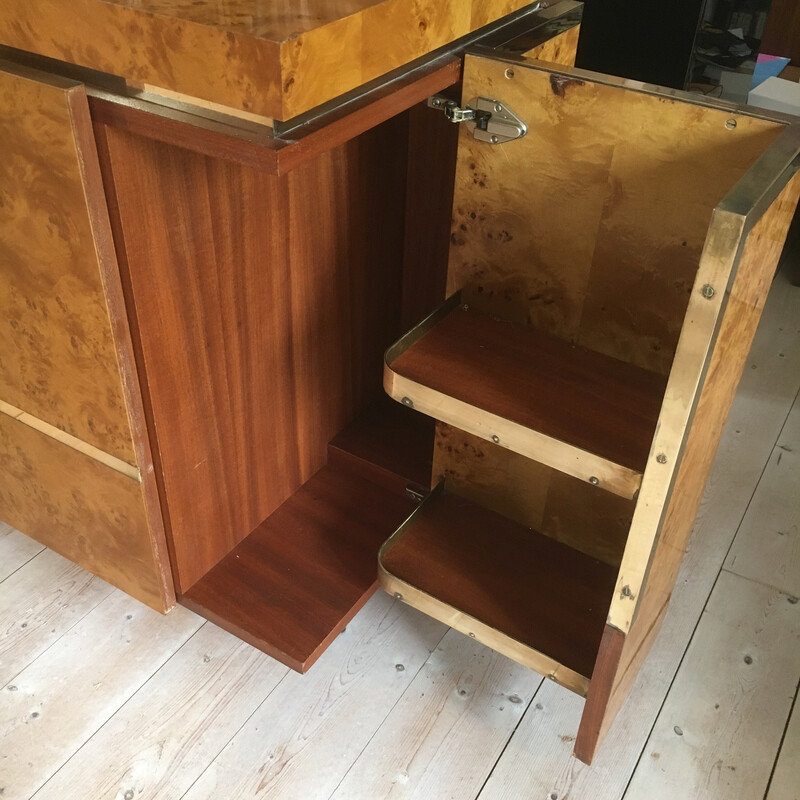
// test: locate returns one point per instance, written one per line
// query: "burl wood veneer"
(75, 466)
(268, 58)
(608, 229)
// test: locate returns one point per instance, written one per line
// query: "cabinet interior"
(573, 249)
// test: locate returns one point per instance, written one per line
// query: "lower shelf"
(293, 584)
(522, 593)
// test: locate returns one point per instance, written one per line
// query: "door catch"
(489, 120)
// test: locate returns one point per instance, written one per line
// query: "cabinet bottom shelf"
(293, 584)
(522, 593)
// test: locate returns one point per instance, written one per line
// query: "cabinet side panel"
(57, 354)
(82, 509)
(262, 305)
(747, 297)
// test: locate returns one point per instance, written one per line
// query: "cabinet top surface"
(272, 20)
(272, 58)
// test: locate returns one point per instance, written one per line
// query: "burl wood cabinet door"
(72, 450)
(607, 271)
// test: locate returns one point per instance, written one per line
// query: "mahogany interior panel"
(391, 439)
(292, 585)
(586, 399)
(261, 306)
(526, 585)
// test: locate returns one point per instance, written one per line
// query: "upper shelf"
(581, 412)
(269, 58)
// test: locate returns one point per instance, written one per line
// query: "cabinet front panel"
(82, 509)
(57, 355)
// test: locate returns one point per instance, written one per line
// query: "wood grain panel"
(87, 512)
(263, 305)
(58, 360)
(591, 227)
(264, 58)
(292, 585)
(747, 297)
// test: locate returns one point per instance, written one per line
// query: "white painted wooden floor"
(103, 698)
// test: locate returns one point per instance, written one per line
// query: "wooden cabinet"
(605, 275)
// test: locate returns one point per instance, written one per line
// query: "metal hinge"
(489, 120)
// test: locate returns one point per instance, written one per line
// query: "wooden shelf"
(520, 592)
(570, 408)
(293, 584)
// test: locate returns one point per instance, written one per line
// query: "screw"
(509, 73)
(748, 660)
(436, 102)
(495, 438)
(398, 596)
(498, 108)
(399, 667)
(494, 139)
(515, 698)
(708, 291)
(464, 307)
(730, 124)
(471, 634)
(407, 401)
(792, 600)
(594, 481)
(661, 458)
(128, 794)
(626, 591)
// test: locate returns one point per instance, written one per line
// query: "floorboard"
(303, 738)
(161, 740)
(39, 603)
(767, 548)
(723, 721)
(56, 703)
(785, 783)
(445, 734)
(17, 550)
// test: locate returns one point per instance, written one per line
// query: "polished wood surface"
(747, 297)
(597, 404)
(82, 509)
(58, 359)
(292, 585)
(262, 306)
(535, 590)
(268, 58)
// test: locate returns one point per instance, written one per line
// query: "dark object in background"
(647, 40)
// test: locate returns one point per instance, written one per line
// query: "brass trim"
(95, 453)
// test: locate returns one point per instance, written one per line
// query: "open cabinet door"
(606, 276)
